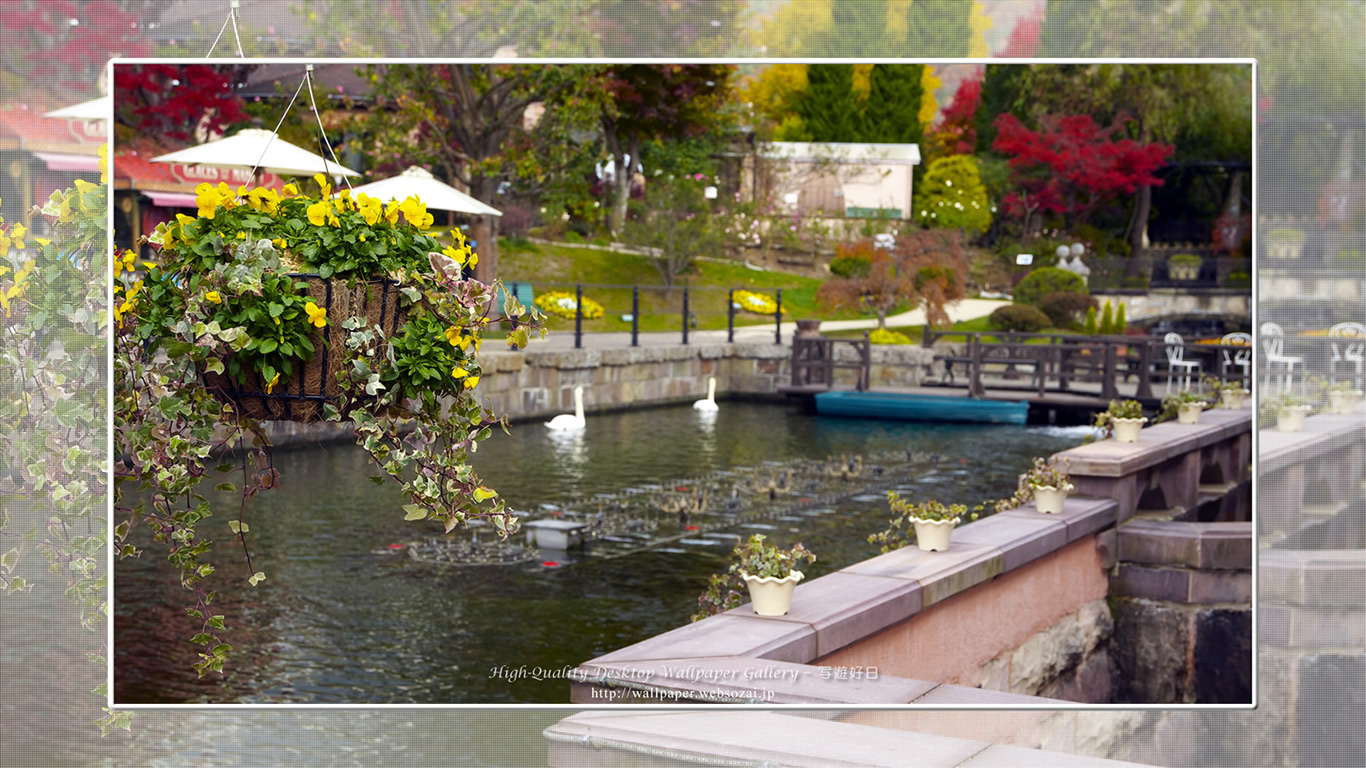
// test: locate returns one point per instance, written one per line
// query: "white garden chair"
(1273, 343)
(1348, 341)
(1176, 350)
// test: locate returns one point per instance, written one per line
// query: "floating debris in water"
(699, 542)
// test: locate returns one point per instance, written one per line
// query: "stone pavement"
(965, 309)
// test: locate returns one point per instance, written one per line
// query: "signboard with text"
(196, 174)
(88, 131)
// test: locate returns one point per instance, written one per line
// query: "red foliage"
(1082, 165)
(956, 132)
(1024, 39)
(70, 54)
(172, 100)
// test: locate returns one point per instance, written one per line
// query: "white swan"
(710, 403)
(567, 421)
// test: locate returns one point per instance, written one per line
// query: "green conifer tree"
(1121, 324)
(1090, 327)
(1107, 320)
(829, 108)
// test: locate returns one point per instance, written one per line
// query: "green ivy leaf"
(414, 512)
(257, 578)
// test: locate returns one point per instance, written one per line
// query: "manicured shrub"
(1121, 324)
(1107, 320)
(1018, 317)
(885, 336)
(1066, 309)
(1046, 280)
(1090, 327)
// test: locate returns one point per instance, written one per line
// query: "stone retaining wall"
(533, 384)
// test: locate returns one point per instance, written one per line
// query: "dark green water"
(341, 620)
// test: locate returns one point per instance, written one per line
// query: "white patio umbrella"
(95, 109)
(436, 194)
(246, 148)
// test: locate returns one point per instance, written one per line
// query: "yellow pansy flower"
(207, 198)
(42, 241)
(459, 373)
(4, 244)
(457, 256)
(471, 382)
(17, 233)
(270, 385)
(370, 208)
(391, 212)
(453, 336)
(183, 219)
(277, 321)
(323, 185)
(241, 235)
(104, 163)
(290, 190)
(214, 297)
(264, 198)
(316, 315)
(317, 213)
(415, 211)
(279, 243)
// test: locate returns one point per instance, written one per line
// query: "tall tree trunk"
(1143, 206)
(622, 182)
(484, 231)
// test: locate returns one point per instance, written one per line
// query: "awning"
(79, 163)
(172, 199)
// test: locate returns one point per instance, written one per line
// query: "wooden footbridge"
(1053, 370)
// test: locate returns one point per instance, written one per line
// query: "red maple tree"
(1072, 165)
(956, 134)
(176, 100)
(1024, 39)
(67, 43)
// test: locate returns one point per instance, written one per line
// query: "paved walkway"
(965, 309)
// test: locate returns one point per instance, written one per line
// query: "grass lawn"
(976, 325)
(559, 267)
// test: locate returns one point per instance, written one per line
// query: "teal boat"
(905, 407)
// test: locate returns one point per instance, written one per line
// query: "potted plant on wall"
(770, 573)
(1227, 394)
(1123, 420)
(1049, 485)
(1289, 410)
(1185, 405)
(1343, 398)
(1184, 266)
(932, 522)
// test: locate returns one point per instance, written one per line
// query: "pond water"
(347, 614)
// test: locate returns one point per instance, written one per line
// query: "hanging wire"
(232, 19)
(308, 78)
(276, 132)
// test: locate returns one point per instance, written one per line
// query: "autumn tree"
(178, 100)
(649, 102)
(472, 122)
(674, 224)
(926, 267)
(956, 133)
(850, 28)
(68, 42)
(1071, 166)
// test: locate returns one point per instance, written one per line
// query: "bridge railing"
(816, 358)
(1194, 269)
(1059, 362)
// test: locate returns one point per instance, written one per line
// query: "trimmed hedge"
(1018, 317)
(1065, 308)
(1046, 280)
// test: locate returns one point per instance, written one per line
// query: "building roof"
(840, 152)
(26, 128)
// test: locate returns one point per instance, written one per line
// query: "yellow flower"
(457, 256)
(214, 297)
(459, 237)
(362, 237)
(316, 315)
(391, 212)
(43, 241)
(241, 235)
(322, 184)
(207, 198)
(17, 234)
(459, 373)
(279, 243)
(471, 382)
(277, 321)
(104, 163)
(345, 195)
(317, 213)
(4, 244)
(270, 385)
(415, 211)
(264, 198)
(453, 336)
(183, 219)
(370, 208)
(290, 190)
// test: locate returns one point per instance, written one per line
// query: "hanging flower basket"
(301, 396)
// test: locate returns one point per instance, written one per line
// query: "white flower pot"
(1126, 430)
(1049, 500)
(1189, 413)
(1233, 398)
(1343, 400)
(933, 535)
(1291, 419)
(770, 596)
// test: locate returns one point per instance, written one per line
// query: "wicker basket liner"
(301, 396)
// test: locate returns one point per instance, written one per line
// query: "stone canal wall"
(1144, 577)
(534, 384)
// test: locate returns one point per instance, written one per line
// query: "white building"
(831, 180)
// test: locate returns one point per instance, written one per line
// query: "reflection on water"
(341, 620)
